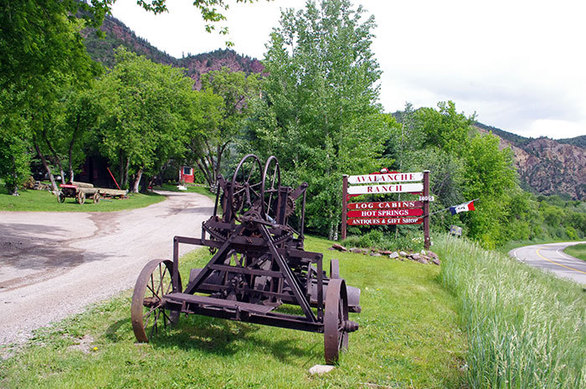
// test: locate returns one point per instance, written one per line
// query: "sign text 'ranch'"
(398, 188)
(386, 177)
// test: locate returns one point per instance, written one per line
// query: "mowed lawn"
(408, 338)
(42, 200)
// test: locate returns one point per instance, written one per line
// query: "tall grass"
(525, 328)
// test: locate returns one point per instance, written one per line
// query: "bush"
(386, 241)
(571, 233)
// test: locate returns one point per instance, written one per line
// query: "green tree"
(466, 165)
(319, 113)
(444, 128)
(144, 112)
(14, 149)
(226, 98)
(78, 127)
(42, 53)
(489, 175)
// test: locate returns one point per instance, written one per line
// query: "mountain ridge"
(546, 166)
(116, 33)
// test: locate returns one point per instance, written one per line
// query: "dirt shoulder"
(54, 264)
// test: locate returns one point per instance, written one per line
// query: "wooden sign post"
(387, 212)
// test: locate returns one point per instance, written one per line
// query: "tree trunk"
(205, 170)
(126, 167)
(70, 155)
(121, 168)
(145, 185)
(218, 165)
(55, 156)
(46, 166)
(71, 144)
(137, 181)
(331, 231)
(14, 190)
(218, 162)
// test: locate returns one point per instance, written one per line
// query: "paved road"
(551, 257)
(54, 264)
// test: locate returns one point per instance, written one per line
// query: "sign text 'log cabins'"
(387, 212)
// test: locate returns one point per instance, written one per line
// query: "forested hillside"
(116, 33)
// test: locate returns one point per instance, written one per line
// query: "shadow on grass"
(113, 331)
(218, 337)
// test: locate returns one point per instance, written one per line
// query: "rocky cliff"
(547, 166)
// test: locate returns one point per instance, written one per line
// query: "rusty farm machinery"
(258, 264)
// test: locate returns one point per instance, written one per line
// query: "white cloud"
(560, 128)
(518, 64)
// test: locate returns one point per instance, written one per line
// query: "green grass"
(408, 338)
(526, 328)
(521, 243)
(40, 200)
(578, 251)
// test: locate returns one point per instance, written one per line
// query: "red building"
(186, 174)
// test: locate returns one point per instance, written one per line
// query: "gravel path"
(54, 264)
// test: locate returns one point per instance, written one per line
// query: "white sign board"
(374, 189)
(386, 177)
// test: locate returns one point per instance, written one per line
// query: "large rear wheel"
(148, 311)
(246, 185)
(269, 190)
(335, 320)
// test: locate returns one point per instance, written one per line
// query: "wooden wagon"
(81, 191)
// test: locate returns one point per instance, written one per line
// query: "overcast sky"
(519, 64)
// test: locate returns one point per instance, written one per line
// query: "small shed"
(186, 174)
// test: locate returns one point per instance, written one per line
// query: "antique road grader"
(258, 265)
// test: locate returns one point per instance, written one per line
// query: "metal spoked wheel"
(269, 190)
(96, 198)
(246, 184)
(148, 311)
(60, 197)
(334, 269)
(335, 320)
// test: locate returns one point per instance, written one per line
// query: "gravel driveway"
(54, 264)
